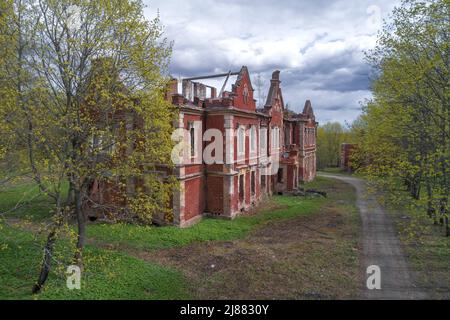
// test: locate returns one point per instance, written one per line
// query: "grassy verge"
(334, 170)
(341, 277)
(427, 250)
(340, 171)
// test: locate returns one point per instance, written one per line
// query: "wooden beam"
(213, 76)
(224, 84)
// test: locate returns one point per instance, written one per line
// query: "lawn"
(26, 202)
(107, 275)
(113, 270)
(149, 237)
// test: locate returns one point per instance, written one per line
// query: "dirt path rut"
(382, 248)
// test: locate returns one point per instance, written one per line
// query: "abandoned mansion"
(265, 151)
(233, 154)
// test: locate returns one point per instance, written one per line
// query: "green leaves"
(82, 100)
(330, 136)
(406, 127)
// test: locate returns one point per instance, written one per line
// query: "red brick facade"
(346, 152)
(265, 151)
(257, 152)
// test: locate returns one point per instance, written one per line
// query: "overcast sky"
(316, 44)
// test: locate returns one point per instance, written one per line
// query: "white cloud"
(318, 45)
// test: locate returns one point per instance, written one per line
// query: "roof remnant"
(308, 110)
(220, 75)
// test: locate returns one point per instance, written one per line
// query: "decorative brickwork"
(259, 138)
(265, 151)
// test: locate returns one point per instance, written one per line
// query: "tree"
(405, 137)
(93, 108)
(330, 136)
(12, 85)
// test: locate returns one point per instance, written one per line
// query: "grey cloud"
(317, 45)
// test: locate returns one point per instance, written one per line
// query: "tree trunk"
(415, 187)
(431, 210)
(81, 227)
(48, 251)
(407, 184)
(447, 228)
(70, 195)
(444, 216)
(46, 264)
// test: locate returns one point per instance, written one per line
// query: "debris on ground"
(309, 192)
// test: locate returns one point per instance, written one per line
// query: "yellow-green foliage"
(82, 100)
(88, 102)
(403, 134)
(330, 136)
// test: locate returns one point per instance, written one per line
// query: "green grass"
(427, 250)
(107, 275)
(340, 171)
(149, 237)
(18, 263)
(112, 274)
(320, 183)
(333, 170)
(30, 202)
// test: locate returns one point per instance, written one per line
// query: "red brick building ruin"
(268, 150)
(347, 149)
(259, 151)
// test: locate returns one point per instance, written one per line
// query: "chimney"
(276, 75)
(172, 88)
(196, 101)
(275, 78)
(201, 91)
(195, 89)
(187, 89)
(213, 92)
(227, 102)
(177, 99)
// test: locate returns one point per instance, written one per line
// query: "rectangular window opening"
(253, 183)
(192, 138)
(280, 175)
(241, 188)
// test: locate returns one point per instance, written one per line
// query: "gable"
(308, 110)
(243, 91)
(274, 96)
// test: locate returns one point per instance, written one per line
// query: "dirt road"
(382, 248)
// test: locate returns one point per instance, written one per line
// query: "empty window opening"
(280, 175)
(192, 137)
(287, 136)
(241, 137)
(241, 188)
(252, 178)
(253, 139)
